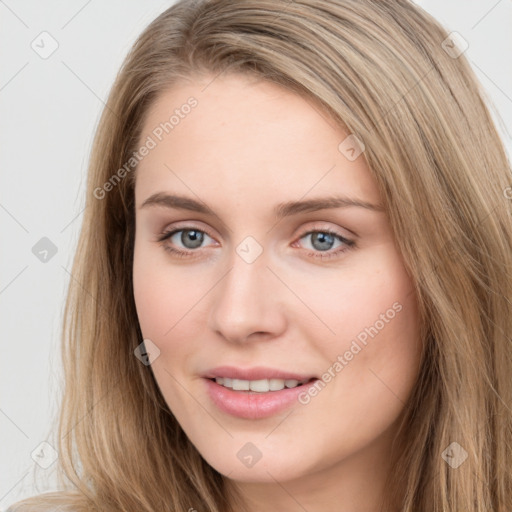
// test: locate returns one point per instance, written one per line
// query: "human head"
(257, 291)
(380, 70)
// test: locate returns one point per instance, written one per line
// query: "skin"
(247, 146)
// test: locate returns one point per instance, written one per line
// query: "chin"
(235, 464)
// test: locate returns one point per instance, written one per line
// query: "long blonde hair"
(385, 71)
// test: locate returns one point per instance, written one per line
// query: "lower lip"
(254, 405)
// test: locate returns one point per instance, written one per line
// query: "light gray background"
(49, 110)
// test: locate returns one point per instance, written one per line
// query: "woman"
(292, 286)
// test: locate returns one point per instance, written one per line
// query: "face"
(243, 270)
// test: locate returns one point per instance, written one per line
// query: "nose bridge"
(245, 300)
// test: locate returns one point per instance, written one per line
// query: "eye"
(189, 238)
(323, 241)
(185, 242)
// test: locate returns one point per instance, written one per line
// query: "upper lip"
(254, 373)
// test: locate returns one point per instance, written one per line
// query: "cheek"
(168, 302)
(371, 340)
(370, 296)
(165, 294)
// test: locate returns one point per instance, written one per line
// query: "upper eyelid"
(185, 225)
(174, 230)
(225, 230)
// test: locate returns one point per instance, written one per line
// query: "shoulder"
(51, 502)
(43, 507)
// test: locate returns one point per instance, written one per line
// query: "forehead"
(245, 135)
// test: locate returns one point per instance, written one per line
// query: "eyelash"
(349, 244)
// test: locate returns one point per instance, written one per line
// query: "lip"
(254, 373)
(251, 404)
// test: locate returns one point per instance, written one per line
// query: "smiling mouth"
(260, 385)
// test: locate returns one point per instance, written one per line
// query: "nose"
(247, 304)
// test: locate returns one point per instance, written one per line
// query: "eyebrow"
(281, 210)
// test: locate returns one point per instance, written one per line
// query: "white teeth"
(260, 386)
(276, 384)
(241, 385)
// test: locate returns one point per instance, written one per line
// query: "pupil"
(192, 238)
(325, 241)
